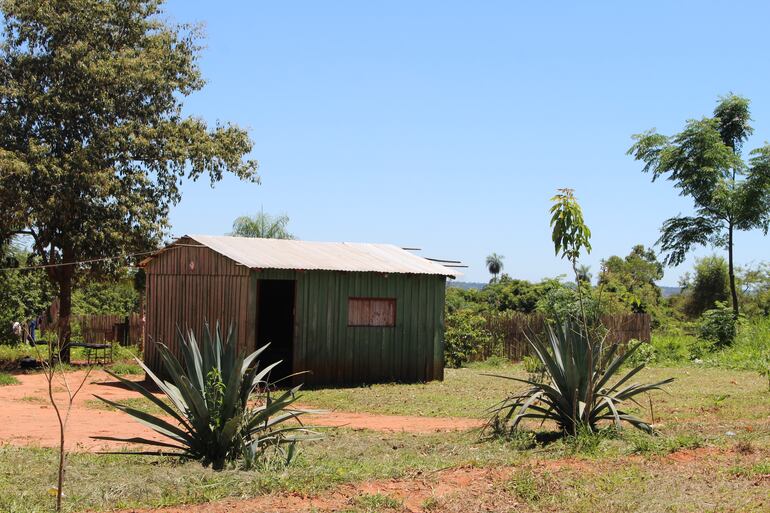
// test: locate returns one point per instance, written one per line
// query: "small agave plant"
(581, 385)
(210, 414)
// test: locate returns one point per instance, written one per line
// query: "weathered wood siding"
(215, 288)
(187, 286)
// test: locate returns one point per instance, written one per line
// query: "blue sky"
(449, 125)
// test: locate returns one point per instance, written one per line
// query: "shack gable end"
(189, 284)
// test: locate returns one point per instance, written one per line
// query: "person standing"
(17, 330)
(31, 334)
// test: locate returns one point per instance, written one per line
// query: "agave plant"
(209, 415)
(581, 386)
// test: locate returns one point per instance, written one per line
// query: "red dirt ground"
(26, 417)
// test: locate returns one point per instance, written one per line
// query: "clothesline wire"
(79, 262)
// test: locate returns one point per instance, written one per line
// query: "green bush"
(644, 354)
(466, 332)
(718, 326)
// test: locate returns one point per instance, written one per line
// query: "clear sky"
(448, 125)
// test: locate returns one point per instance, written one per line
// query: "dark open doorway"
(275, 324)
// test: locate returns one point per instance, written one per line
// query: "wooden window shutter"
(370, 311)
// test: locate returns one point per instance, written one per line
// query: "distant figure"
(31, 334)
(17, 329)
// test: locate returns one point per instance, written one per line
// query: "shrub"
(718, 326)
(466, 332)
(577, 393)
(644, 354)
(209, 395)
(672, 346)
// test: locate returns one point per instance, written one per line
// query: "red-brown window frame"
(390, 300)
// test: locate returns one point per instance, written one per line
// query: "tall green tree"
(705, 162)
(495, 265)
(707, 287)
(93, 141)
(631, 279)
(262, 225)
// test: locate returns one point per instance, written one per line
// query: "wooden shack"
(349, 313)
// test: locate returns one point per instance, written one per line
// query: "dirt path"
(26, 417)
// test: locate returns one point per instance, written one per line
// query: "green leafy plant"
(581, 389)
(466, 333)
(534, 367)
(644, 354)
(210, 395)
(718, 326)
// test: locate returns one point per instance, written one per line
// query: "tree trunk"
(731, 271)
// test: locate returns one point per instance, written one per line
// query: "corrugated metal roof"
(327, 256)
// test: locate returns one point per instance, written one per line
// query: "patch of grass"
(693, 397)
(126, 368)
(374, 503)
(642, 443)
(530, 487)
(34, 399)
(7, 379)
(759, 469)
(493, 362)
(10, 355)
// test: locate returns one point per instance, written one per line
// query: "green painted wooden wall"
(338, 354)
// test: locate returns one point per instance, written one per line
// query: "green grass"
(7, 379)
(108, 481)
(696, 394)
(123, 358)
(126, 368)
(374, 503)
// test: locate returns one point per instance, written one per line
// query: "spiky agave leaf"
(577, 393)
(209, 417)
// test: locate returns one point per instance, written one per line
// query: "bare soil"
(27, 418)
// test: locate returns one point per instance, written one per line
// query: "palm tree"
(584, 273)
(263, 226)
(495, 264)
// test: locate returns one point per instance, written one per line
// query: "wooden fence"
(100, 328)
(510, 332)
(95, 329)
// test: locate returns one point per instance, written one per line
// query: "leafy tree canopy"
(25, 293)
(112, 297)
(93, 141)
(707, 287)
(705, 162)
(495, 264)
(631, 279)
(263, 226)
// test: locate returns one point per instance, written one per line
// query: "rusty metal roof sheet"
(327, 256)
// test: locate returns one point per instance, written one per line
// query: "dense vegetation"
(694, 325)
